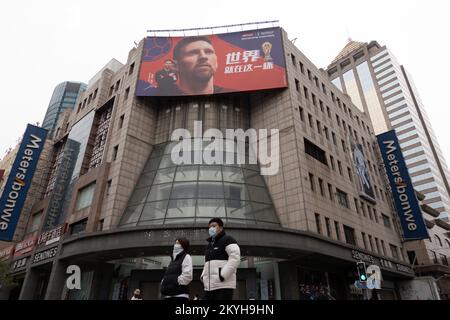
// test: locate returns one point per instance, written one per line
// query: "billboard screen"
(362, 171)
(19, 180)
(230, 62)
(406, 203)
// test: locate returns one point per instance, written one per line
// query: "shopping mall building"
(114, 199)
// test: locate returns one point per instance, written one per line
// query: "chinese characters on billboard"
(230, 62)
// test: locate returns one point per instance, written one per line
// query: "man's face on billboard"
(197, 61)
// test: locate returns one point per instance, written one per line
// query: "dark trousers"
(219, 294)
(177, 298)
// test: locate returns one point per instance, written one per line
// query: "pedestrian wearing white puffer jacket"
(222, 258)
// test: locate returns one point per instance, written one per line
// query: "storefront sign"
(6, 253)
(19, 180)
(19, 264)
(359, 256)
(403, 268)
(52, 236)
(25, 246)
(406, 203)
(45, 255)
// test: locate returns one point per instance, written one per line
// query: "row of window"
(370, 243)
(342, 199)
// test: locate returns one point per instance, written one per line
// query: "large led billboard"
(230, 62)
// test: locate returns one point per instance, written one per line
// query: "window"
(316, 81)
(297, 85)
(127, 92)
(302, 116)
(35, 222)
(363, 210)
(325, 129)
(332, 163)
(310, 119)
(330, 191)
(328, 112)
(364, 240)
(305, 91)
(315, 152)
(438, 240)
(383, 247)
(322, 191)
(311, 182)
(340, 167)
(302, 67)
(338, 231)
(117, 86)
(386, 221)
(78, 227)
(338, 120)
(372, 247)
(324, 89)
(394, 251)
(321, 105)
(108, 186)
(115, 150)
(344, 148)
(375, 214)
(309, 75)
(332, 97)
(122, 117)
(130, 71)
(314, 100)
(342, 198)
(369, 210)
(377, 243)
(318, 127)
(111, 90)
(328, 226)
(100, 225)
(85, 196)
(444, 260)
(349, 235)
(349, 174)
(356, 205)
(318, 224)
(95, 94)
(294, 61)
(333, 136)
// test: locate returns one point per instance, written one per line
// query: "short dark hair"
(184, 242)
(218, 220)
(185, 41)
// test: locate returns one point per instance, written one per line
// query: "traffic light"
(361, 266)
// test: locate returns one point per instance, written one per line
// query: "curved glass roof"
(167, 193)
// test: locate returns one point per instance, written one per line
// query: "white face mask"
(177, 248)
(212, 232)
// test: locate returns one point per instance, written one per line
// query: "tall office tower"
(380, 86)
(63, 98)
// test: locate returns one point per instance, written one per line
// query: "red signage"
(25, 246)
(52, 236)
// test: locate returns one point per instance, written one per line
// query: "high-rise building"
(114, 182)
(64, 97)
(380, 86)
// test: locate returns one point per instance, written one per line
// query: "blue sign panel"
(405, 199)
(19, 180)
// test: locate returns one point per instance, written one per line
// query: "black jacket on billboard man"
(196, 62)
(167, 78)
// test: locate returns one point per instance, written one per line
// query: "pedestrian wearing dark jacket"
(222, 258)
(174, 284)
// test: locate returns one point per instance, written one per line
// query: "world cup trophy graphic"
(267, 47)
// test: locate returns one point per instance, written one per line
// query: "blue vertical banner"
(406, 203)
(19, 180)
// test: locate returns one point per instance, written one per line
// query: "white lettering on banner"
(44, 255)
(401, 185)
(19, 183)
(362, 256)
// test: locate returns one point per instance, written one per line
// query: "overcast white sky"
(47, 42)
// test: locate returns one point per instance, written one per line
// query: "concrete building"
(112, 181)
(380, 86)
(64, 97)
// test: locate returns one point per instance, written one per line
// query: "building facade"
(114, 200)
(64, 97)
(379, 85)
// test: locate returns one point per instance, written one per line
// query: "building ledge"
(441, 223)
(430, 210)
(429, 224)
(432, 268)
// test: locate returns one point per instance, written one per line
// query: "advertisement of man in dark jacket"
(222, 258)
